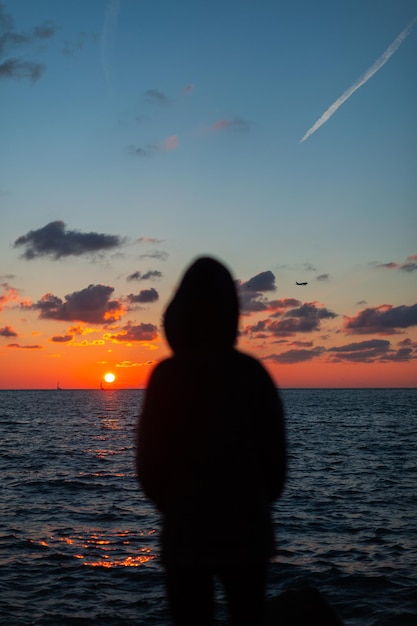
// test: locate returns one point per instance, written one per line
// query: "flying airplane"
(300, 283)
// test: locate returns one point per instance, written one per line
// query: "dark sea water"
(79, 543)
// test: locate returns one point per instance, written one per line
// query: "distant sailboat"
(58, 388)
(101, 385)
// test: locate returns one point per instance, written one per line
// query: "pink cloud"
(389, 266)
(171, 143)
(188, 89)
(235, 124)
(220, 125)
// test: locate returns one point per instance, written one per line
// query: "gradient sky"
(137, 135)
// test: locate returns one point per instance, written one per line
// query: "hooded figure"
(211, 453)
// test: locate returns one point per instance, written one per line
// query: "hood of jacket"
(204, 312)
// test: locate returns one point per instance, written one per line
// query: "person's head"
(204, 311)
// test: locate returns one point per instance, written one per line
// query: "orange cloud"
(81, 330)
(9, 295)
(84, 343)
(132, 333)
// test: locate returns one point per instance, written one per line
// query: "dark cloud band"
(55, 241)
(91, 305)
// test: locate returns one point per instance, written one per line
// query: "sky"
(278, 137)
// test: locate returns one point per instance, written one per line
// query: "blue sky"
(177, 125)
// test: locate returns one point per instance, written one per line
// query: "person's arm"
(272, 438)
(152, 437)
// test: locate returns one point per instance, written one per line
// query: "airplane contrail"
(380, 62)
(107, 38)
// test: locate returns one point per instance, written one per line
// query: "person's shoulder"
(246, 359)
(163, 368)
(249, 362)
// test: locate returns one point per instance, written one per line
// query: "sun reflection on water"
(105, 549)
(129, 561)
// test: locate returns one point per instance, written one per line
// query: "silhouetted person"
(211, 454)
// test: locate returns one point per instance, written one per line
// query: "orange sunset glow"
(311, 205)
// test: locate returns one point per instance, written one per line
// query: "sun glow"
(109, 377)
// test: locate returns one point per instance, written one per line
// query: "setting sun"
(109, 377)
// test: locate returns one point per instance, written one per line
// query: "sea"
(79, 541)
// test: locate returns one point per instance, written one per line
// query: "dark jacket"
(211, 444)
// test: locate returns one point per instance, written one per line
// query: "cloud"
(363, 351)
(85, 343)
(55, 241)
(154, 96)
(134, 276)
(61, 338)
(235, 124)
(91, 305)
(295, 356)
(280, 306)
(310, 311)
(303, 319)
(407, 342)
(80, 330)
(302, 344)
(168, 145)
(132, 333)
(7, 331)
(152, 275)
(14, 68)
(265, 281)
(410, 265)
(379, 63)
(251, 292)
(11, 65)
(171, 143)
(385, 319)
(128, 364)
(155, 254)
(17, 345)
(144, 296)
(45, 31)
(322, 277)
(188, 89)
(70, 48)
(153, 240)
(402, 355)
(388, 266)
(9, 295)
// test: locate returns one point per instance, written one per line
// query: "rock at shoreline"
(305, 606)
